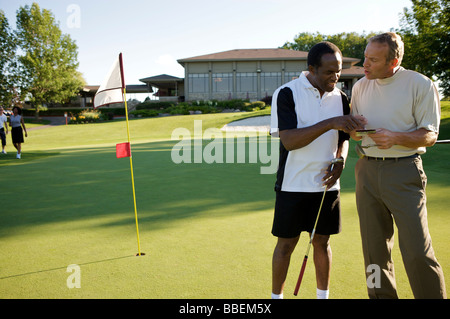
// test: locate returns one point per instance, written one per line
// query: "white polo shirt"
(3, 119)
(298, 104)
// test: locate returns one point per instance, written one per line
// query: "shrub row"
(86, 116)
(151, 109)
(61, 111)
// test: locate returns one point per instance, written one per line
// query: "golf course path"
(259, 123)
(54, 120)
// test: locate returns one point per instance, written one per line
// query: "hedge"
(151, 109)
(61, 111)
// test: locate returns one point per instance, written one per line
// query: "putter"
(360, 151)
(302, 270)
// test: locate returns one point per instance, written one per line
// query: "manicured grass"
(445, 109)
(204, 228)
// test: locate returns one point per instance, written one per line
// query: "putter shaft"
(305, 260)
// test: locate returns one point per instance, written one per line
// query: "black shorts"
(297, 212)
(17, 134)
(3, 136)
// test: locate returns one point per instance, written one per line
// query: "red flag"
(123, 150)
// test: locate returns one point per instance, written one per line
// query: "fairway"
(204, 228)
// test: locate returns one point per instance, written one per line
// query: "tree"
(304, 41)
(7, 62)
(425, 29)
(351, 44)
(49, 61)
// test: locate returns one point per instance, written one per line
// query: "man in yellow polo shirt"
(402, 106)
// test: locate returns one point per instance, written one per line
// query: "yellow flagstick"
(132, 176)
(131, 157)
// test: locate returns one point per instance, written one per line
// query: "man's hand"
(293, 139)
(349, 123)
(333, 173)
(383, 138)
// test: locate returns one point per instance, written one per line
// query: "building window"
(246, 82)
(289, 76)
(222, 82)
(270, 81)
(198, 83)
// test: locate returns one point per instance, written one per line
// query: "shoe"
(18, 155)
(3, 152)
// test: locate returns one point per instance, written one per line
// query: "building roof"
(248, 54)
(161, 78)
(91, 90)
(254, 54)
(354, 71)
(162, 81)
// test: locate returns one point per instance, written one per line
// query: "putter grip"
(299, 281)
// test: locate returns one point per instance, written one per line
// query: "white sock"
(275, 296)
(322, 294)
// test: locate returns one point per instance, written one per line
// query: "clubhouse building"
(236, 74)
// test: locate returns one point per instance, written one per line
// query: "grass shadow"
(84, 184)
(90, 183)
(27, 157)
(64, 267)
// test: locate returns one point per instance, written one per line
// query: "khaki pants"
(394, 190)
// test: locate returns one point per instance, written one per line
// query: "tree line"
(425, 30)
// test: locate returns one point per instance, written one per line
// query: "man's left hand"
(383, 138)
(331, 176)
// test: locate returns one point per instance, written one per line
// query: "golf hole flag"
(113, 90)
(123, 150)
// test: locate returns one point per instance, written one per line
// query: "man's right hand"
(349, 123)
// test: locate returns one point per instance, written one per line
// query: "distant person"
(17, 123)
(3, 129)
(403, 107)
(309, 115)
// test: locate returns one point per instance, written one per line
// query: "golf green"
(204, 228)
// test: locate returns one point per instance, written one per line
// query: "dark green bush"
(179, 109)
(61, 111)
(154, 105)
(154, 108)
(145, 113)
(258, 105)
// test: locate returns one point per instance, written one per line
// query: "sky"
(152, 35)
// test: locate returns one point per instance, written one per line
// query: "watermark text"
(74, 279)
(228, 147)
(374, 279)
(74, 19)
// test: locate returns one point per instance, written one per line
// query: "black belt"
(370, 158)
